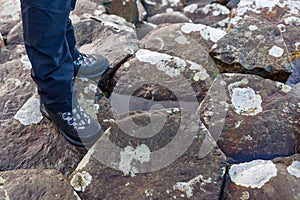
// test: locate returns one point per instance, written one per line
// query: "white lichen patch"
(202, 75)
(148, 193)
(6, 196)
(294, 169)
(254, 174)
(129, 155)
(208, 33)
(172, 66)
(30, 112)
(284, 87)
(256, 6)
(80, 181)
(245, 101)
(181, 40)
(2, 180)
(190, 8)
(172, 3)
(292, 20)
(188, 187)
(282, 28)
(91, 88)
(276, 51)
(253, 27)
(245, 195)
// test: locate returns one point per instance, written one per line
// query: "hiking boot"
(76, 126)
(90, 66)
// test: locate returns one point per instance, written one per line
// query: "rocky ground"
(202, 101)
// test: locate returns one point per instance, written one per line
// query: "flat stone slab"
(162, 77)
(145, 155)
(260, 179)
(254, 46)
(251, 117)
(187, 40)
(35, 184)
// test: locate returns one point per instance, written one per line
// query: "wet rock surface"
(35, 184)
(261, 120)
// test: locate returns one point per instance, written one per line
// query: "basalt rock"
(126, 9)
(130, 159)
(254, 46)
(162, 77)
(260, 179)
(192, 41)
(251, 117)
(101, 35)
(35, 184)
(214, 15)
(161, 6)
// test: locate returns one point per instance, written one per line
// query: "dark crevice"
(221, 196)
(280, 76)
(104, 81)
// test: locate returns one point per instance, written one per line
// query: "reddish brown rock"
(16, 87)
(162, 6)
(162, 77)
(132, 163)
(126, 9)
(261, 120)
(254, 46)
(35, 184)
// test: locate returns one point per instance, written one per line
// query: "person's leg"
(44, 25)
(70, 35)
(88, 66)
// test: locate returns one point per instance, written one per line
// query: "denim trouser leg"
(71, 36)
(44, 25)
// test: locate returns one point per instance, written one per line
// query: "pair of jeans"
(50, 44)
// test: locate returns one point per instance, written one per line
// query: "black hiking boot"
(76, 126)
(90, 66)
